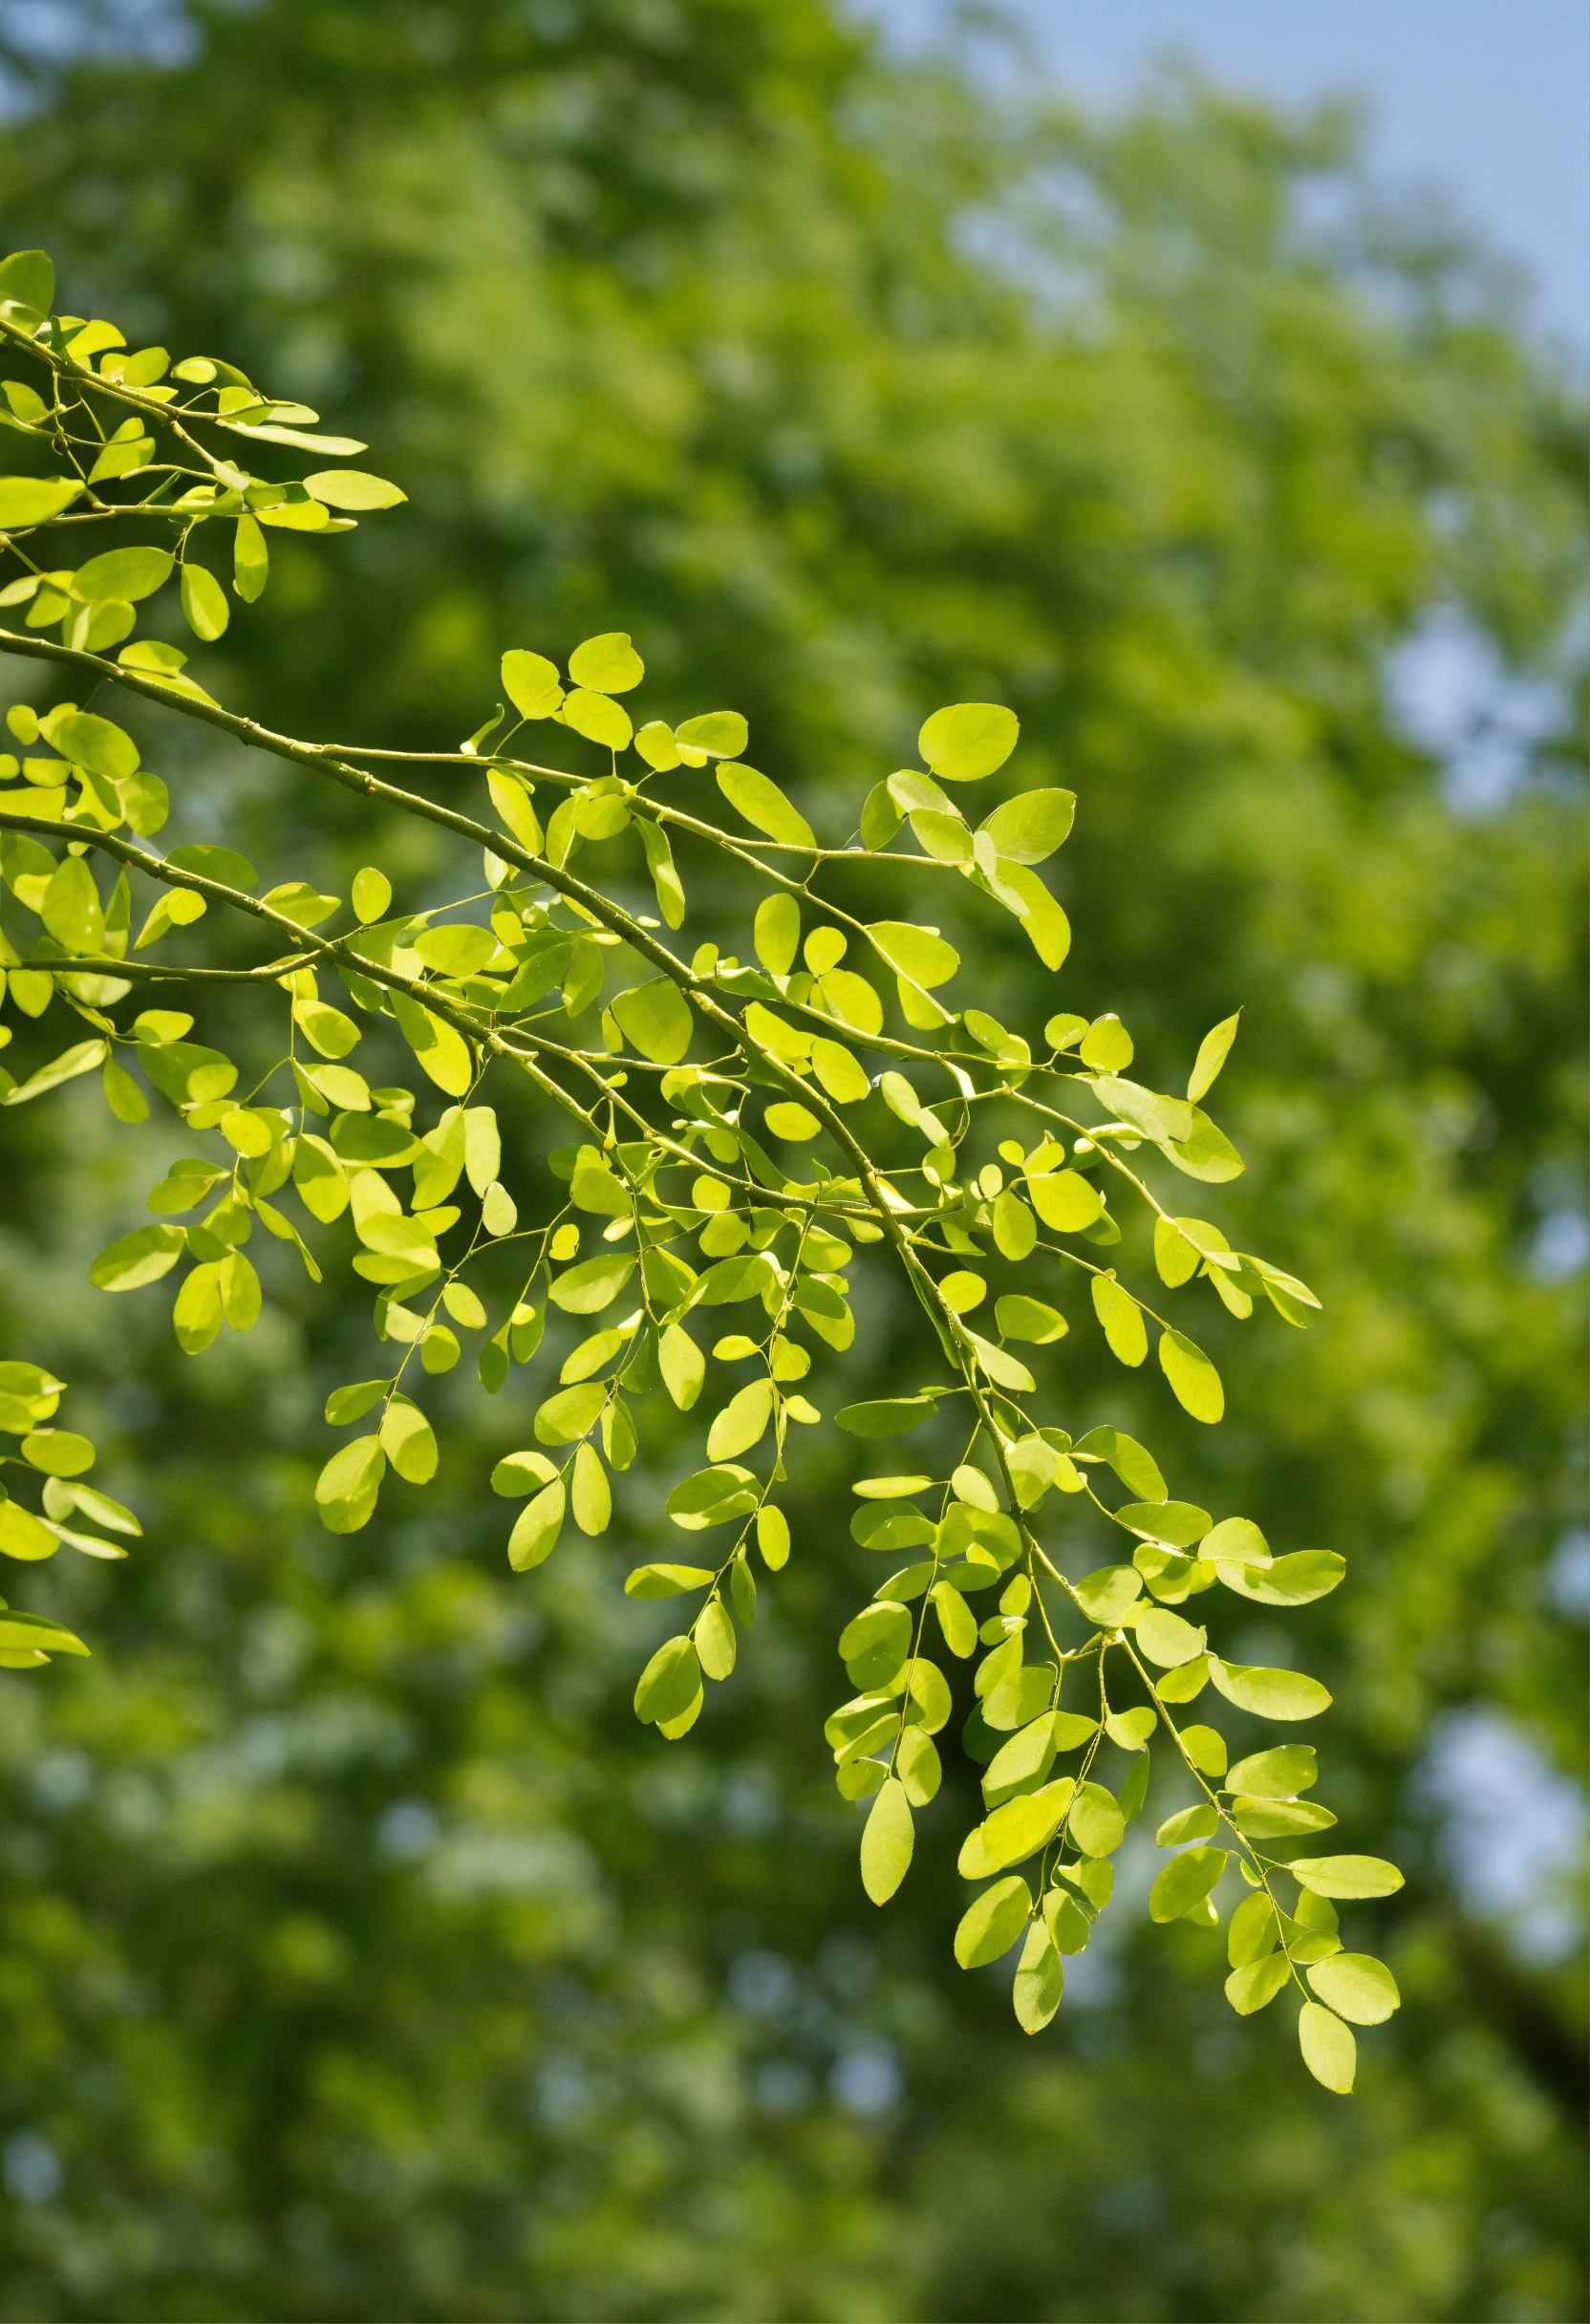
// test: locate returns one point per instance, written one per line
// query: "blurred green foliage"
(358, 1955)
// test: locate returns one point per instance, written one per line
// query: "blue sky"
(1489, 98)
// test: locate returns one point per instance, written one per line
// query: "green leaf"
(1030, 827)
(1178, 1525)
(240, 1292)
(409, 1442)
(511, 799)
(792, 1125)
(101, 1509)
(371, 892)
(916, 953)
(1253, 1932)
(1019, 1317)
(1199, 1823)
(328, 1032)
(443, 1052)
(880, 818)
(1329, 2051)
(682, 1365)
(666, 1581)
(22, 1534)
(719, 734)
(1346, 1876)
(593, 1284)
(1131, 1730)
(1192, 1377)
(659, 862)
(1065, 1200)
(608, 664)
(103, 747)
(1270, 1695)
(920, 1766)
(1166, 1640)
(139, 1257)
(887, 1842)
(304, 906)
(990, 1927)
(711, 1496)
(1015, 1233)
(1185, 1883)
(773, 1537)
(1107, 1596)
(1017, 1829)
(1234, 1540)
(27, 278)
(455, 949)
(1023, 1761)
(1206, 1152)
(1280, 1819)
(656, 1018)
(764, 805)
(345, 1404)
(1122, 1318)
(251, 561)
(347, 1487)
(875, 1645)
(597, 718)
(1206, 1748)
(742, 1422)
(968, 740)
(221, 864)
(840, 1075)
(204, 607)
(1032, 1465)
(715, 1639)
(887, 1416)
(127, 574)
(1157, 1117)
(1277, 1775)
(566, 1416)
(1002, 1369)
(33, 500)
(531, 684)
(1257, 1983)
(956, 1619)
(668, 1683)
(535, 1534)
(777, 932)
(351, 489)
(1040, 1981)
(1357, 1987)
(656, 744)
(1213, 1051)
(82, 1058)
(319, 1177)
(590, 1498)
(1096, 1823)
(1295, 1581)
(517, 1473)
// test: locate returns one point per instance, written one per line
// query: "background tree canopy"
(360, 1956)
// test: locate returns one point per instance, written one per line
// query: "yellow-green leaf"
(598, 718)
(656, 1018)
(968, 740)
(1213, 1051)
(608, 664)
(764, 805)
(1194, 1380)
(1329, 2051)
(1122, 1318)
(887, 1842)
